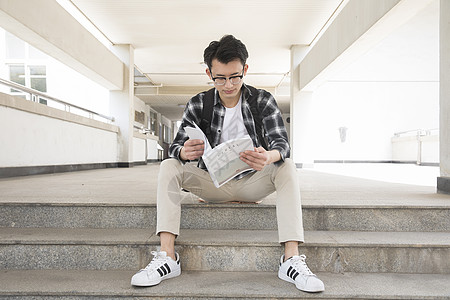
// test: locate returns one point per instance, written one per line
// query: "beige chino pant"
(283, 178)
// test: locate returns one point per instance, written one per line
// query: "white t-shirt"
(233, 123)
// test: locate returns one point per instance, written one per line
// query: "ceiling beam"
(178, 90)
(50, 28)
(353, 22)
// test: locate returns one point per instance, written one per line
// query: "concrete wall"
(145, 148)
(33, 134)
(152, 149)
(372, 112)
(139, 149)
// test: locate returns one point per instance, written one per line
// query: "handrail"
(144, 130)
(418, 137)
(419, 132)
(35, 95)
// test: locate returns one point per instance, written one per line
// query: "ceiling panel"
(169, 36)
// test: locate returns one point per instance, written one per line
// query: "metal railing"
(142, 129)
(418, 132)
(35, 96)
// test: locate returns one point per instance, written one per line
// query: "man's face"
(228, 92)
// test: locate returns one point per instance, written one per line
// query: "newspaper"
(223, 162)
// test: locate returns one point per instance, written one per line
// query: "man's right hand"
(192, 150)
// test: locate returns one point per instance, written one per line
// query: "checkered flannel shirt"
(274, 129)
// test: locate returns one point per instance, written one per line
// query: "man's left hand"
(259, 158)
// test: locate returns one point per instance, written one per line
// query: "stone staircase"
(67, 249)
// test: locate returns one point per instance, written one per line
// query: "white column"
(443, 182)
(122, 106)
(301, 115)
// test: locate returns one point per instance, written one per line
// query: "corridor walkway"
(320, 186)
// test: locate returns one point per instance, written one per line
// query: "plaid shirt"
(274, 129)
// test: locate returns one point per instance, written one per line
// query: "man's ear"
(245, 69)
(208, 73)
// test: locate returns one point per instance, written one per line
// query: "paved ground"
(319, 186)
(395, 173)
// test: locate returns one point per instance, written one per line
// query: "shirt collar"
(246, 91)
(245, 94)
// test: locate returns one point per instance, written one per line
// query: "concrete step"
(82, 284)
(358, 216)
(225, 250)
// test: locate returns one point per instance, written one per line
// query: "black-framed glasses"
(236, 79)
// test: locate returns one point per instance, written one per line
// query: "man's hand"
(260, 158)
(192, 149)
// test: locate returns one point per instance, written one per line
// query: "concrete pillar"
(443, 182)
(301, 105)
(122, 106)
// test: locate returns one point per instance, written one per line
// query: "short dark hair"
(226, 50)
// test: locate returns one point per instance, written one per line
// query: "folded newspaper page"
(195, 133)
(223, 161)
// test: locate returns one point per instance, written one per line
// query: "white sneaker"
(161, 267)
(296, 271)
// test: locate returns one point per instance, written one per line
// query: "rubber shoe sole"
(136, 282)
(319, 287)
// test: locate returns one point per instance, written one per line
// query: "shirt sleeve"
(191, 115)
(274, 126)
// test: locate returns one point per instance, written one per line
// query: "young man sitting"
(272, 169)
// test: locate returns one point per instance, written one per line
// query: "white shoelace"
(156, 262)
(300, 265)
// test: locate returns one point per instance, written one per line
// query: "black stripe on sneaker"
(167, 267)
(164, 270)
(291, 272)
